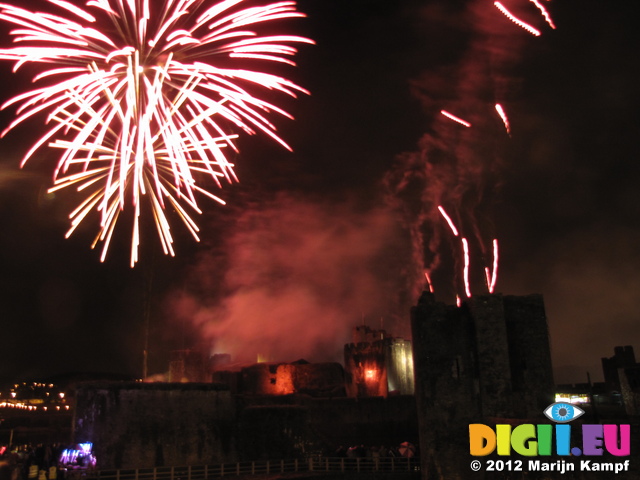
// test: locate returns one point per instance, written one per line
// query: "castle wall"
(287, 378)
(492, 349)
(299, 424)
(142, 425)
(529, 354)
(136, 425)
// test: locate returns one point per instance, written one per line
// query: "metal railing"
(203, 472)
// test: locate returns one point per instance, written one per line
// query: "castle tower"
(488, 360)
(378, 364)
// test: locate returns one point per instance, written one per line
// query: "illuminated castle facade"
(377, 364)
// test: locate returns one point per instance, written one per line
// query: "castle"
(488, 359)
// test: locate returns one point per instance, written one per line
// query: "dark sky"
(338, 232)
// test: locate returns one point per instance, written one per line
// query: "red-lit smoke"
(450, 182)
(299, 275)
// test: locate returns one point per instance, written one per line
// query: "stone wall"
(137, 425)
(141, 425)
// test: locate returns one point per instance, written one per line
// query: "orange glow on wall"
(371, 375)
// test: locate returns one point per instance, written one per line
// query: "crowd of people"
(405, 449)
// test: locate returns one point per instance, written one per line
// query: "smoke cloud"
(459, 167)
(298, 276)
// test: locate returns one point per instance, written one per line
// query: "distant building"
(623, 357)
(622, 375)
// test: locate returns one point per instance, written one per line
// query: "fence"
(319, 464)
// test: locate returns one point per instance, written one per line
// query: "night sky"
(339, 232)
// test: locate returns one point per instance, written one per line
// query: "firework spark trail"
(460, 167)
(504, 118)
(143, 112)
(491, 276)
(494, 272)
(544, 13)
(428, 279)
(529, 28)
(448, 219)
(454, 118)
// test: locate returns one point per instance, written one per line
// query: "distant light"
(575, 399)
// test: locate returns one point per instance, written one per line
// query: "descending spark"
(454, 118)
(487, 275)
(544, 13)
(146, 108)
(504, 118)
(458, 301)
(517, 21)
(428, 279)
(448, 219)
(465, 248)
(494, 273)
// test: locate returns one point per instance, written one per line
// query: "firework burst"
(141, 101)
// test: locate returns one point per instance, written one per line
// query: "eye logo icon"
(562, 412)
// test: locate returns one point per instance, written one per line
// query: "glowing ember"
(517, 21)
(140, 109)
(454, 118)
